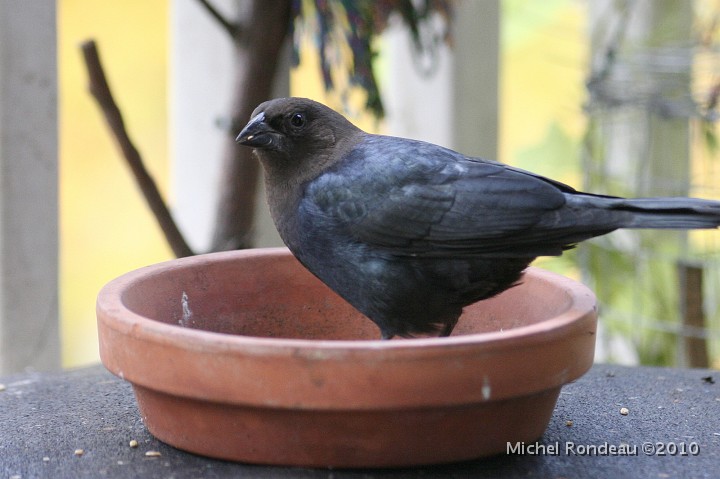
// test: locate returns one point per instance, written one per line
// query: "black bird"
(409, 232)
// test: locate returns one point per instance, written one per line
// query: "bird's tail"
(661, 213)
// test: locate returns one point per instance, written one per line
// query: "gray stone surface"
(45, 417)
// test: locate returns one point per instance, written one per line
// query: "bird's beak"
(256, 133)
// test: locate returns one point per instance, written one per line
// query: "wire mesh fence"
(652, 112)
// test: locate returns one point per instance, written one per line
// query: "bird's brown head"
(296, 134)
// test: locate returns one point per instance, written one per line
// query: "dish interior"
(274, 296)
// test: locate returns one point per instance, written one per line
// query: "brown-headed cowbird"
(409, 232)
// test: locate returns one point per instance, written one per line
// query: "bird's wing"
(421, 199)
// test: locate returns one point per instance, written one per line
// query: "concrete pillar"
(455, 103)
(29, 329)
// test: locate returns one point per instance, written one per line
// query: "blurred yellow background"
(106, 229)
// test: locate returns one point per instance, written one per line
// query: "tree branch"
(99, 88)
(266, 23)
(231, 28)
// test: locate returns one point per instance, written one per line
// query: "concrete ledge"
(46, 417)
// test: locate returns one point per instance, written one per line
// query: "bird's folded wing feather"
(420, 199)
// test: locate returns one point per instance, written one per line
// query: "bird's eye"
(297, 120)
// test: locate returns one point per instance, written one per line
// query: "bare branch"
(231, 28)
(101, 91)
(266, 23)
